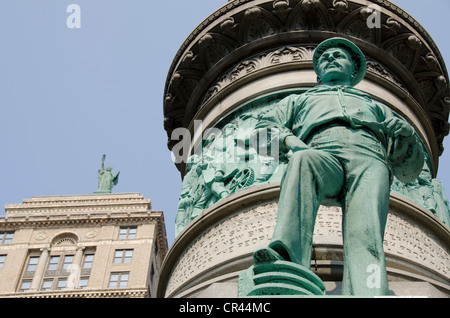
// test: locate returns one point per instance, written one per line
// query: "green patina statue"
(344, 149)
(106, 180)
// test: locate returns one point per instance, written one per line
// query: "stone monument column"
(229, 74)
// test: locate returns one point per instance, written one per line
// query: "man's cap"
(356, 55)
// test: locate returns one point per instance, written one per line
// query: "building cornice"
(113, 203)
(102, 293)
(78, 219)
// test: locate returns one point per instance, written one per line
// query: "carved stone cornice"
(84, 204)
(225, 45)
(39, 221)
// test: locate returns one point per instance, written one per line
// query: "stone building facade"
(108, 245)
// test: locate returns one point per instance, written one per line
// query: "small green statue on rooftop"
(344, 148)
(106, 180)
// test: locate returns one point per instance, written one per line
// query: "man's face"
(335, 66)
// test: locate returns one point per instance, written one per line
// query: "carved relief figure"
(185, 203)
(427, 192)
(442, 204)
(229, 162)
(202, 186)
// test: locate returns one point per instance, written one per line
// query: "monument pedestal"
(279, 278)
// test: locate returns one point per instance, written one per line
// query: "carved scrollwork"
(309, 15)
(228, 27)
(281, 9)
(256, 24)
(213, 47)
(340, 6)
(283, 55)
(380, 70)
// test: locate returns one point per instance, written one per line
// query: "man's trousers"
(350, 166)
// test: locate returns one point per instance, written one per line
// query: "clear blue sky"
(69, 95)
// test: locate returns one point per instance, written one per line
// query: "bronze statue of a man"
(344, 147)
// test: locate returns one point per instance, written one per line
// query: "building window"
(123, 256)
(58, 270)
(6, 237)
(152, 273)
(119, 280)
(156, 250)
(2, 261)
(62, 283)
(68, 259)
(59, 283)
(56, 264)
(88, 260)
(32, 263)
(25, 286)
(127, 232)
(53, 263)
(47, 284)
(83, 283)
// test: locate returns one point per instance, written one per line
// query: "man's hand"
(401, 133)
(295, 144)
(397, 127)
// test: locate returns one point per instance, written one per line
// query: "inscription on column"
(409, 241)
(328, 228)
(238, 235)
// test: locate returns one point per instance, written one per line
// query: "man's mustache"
(330, 64)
